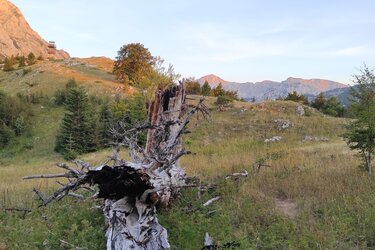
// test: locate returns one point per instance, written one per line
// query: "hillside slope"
(311, 196)
(49, 75)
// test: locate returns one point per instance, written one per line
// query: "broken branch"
(210, 201)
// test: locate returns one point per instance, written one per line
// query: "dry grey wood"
(46, 176)
(152, 177)
(210, 201)
(236, 175)
(208, 241)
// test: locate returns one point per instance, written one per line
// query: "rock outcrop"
(18, 38)
(300, 110)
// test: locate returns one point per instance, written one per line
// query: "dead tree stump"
(133, 189)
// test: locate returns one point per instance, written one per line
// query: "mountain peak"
(211, 79)
(18, 38)
(320, 84)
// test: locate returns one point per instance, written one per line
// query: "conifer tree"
(319, 101)
(206, 89)
(136, 114)
(105, 123)
(219, 91)
(77, 134)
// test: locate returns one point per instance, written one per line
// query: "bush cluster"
(14, 118)
(88, 119)
(20, 61)
(331, 106)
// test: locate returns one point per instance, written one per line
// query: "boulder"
(300, 110)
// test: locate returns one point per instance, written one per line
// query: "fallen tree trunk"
(132, 190)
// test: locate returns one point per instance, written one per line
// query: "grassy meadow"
(313, 195)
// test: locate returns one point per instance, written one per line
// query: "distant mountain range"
(270, 90)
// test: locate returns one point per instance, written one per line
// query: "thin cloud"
(352, 51)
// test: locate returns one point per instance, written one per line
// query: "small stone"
(300, 110)
(273, 139)
(283, 124)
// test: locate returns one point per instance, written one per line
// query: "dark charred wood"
(117, 182)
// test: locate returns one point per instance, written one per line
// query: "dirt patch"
(287, 208)
(3, 246)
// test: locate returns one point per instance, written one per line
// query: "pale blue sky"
(239, 40)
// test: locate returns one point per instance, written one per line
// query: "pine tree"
(319, 101)
(77, 134)
(206, 89)
(219, 91)
(137, 113)
(105, 123)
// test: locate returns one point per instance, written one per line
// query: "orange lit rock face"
(211, 79)
(17, 37)
(320, 84)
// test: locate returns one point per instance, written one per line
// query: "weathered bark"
(369, 164)
(132, 220)
(133, 189)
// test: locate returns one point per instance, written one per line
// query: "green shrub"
(20, 125)
(223, 100)
(14, 114)
(6, 135)
(31, 59)
(9, 64)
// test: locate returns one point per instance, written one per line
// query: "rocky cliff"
(17, 37)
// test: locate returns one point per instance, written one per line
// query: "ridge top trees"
(133, 62)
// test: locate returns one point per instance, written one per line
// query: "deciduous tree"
(361, 132)
(192, 86)
(133, 63)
